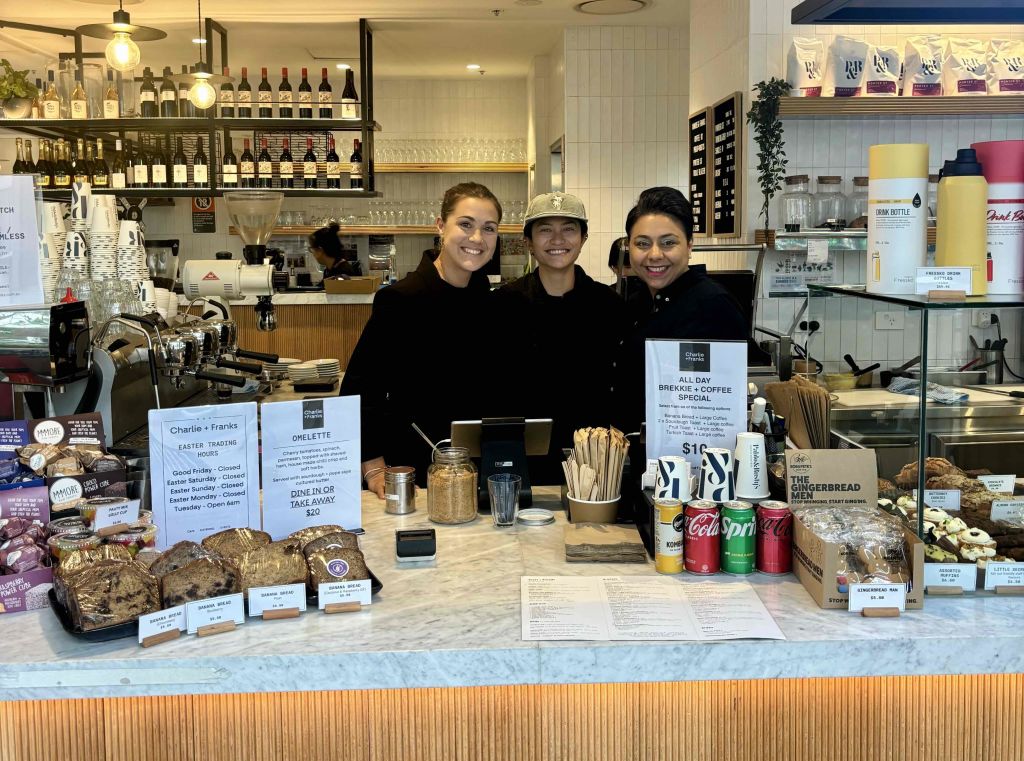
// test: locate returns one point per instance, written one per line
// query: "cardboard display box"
(364, 284)
(28, 590)
(816, 562)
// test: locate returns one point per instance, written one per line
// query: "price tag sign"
(1003, 575)
(943, 279)
(817, 251)
(999, 484)
(942, 499)
(153, 624)
(963, 575)
(344, 592)
(283, 597)
(878, 596)
(115, 514)
(1008, 511)
(216, 610)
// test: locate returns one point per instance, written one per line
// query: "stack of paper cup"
(160, 297)
(673, 479)
(131, 254)
(81, 205)
(103, 242)
(751, 469)
(717, 480)
(76, 253)
(50, 258)
(53, 224)
(147, 295)
(172, 305)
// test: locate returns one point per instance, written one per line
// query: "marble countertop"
(456, 622)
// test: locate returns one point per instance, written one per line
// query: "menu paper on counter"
(205, 470)
(21, 280)
(696, 397)
(311, 462)
(642, 608)
(832, 477)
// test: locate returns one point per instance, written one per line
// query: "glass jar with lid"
(857, 204)
(830, 203)
(796, 203)
(451, 486)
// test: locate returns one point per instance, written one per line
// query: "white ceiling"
(412, 38)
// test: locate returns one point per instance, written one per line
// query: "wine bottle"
(111, 98)
(158, 166)
(349, 97)
(333, 166)
(142, 166)
(309, 165)
(61, 167)
(51, 100)
(324, 96)
(129, 165)
(29, 164)
(227, 97)
(230, 166)
(79, 163)
(264, 167)
(79, 102)
(100, 170)
(44, 167)
(118, 175)
(185, 107)
(147, 96)
(245, 96)
(265, 95)
(284, 96)
(37, 102)
(285, 165)
(200, 166)
(305, 98)
(179, 171)
(355, 172)
(19, 161)
(247, 166)
(168, 95)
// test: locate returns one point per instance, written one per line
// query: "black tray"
(131, 629)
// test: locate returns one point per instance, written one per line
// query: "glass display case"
(935, 387)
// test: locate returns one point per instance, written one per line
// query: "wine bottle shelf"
(64, 194)
(450, 168)
(946, 105)
(377, 230)
(183, 124)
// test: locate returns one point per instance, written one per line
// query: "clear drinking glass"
(797, 202)
(503, 489)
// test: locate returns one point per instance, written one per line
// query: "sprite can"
(739, 537)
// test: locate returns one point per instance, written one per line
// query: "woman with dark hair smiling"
(680, 300)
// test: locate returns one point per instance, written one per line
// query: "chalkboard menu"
(699, 170)
(726, 194)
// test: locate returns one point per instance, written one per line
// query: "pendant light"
(202, 94)
(122, 52)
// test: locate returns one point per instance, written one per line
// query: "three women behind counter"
(555, 343)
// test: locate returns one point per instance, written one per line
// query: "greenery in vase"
(14, 83)
(768, 134)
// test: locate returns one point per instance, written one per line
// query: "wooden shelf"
(185, 124)
(62, 194)
(946, 105)
(449, 168)
(376, 230)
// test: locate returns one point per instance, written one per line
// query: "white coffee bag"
(847, 59)
(922, 66)
(1006, 67)
(965, 70)
(805, 68)
(882, 73)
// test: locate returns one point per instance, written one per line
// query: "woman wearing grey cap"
(569, 325)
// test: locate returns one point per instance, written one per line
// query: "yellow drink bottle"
(961, 227)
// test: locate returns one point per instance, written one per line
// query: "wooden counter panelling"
(937, 718)
(306, 331)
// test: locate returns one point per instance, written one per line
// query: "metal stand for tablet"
(503, 450)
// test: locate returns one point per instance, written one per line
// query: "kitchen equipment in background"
(950, 376)
(162, 259)
(400, 490)
(830, 203)
(960, 231)
(898, 216)
(1002, 163)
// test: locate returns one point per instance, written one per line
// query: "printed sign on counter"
(1003, 575)
(216, 610)
(21, 280)
(154, 624)
(878, 596)
(696, 396)
(115, 513)
(838, 477)
(311, 464)
(1009, 511)
(942, 499)
(341, 592)
(943, 279)
(963, 575)
(281, 597)
(999, 484)
(205, 470)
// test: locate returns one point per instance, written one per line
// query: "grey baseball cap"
(554, 205)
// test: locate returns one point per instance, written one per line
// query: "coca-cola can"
(774, 550)
(701, 546)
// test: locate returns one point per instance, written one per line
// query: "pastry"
(336, 564)
(235, 542)
(954, 482)
(344, 539)
(307, 535)
(178, 556)
(933, 466)
(979, 501)
(935, 554)
(202, 578)
(272, 565)
(933, 515)
(108, 594)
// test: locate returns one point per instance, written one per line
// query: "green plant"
(14, 83)
(768, 134)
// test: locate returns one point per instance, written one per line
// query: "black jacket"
(568, 345)
(693, 306)
(343, 267)
(425, 357)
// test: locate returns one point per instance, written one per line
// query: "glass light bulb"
(122, 53)
(202, 95)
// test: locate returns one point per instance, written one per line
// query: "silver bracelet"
(371, 472)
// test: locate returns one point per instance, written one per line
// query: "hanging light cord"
(199, 6)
